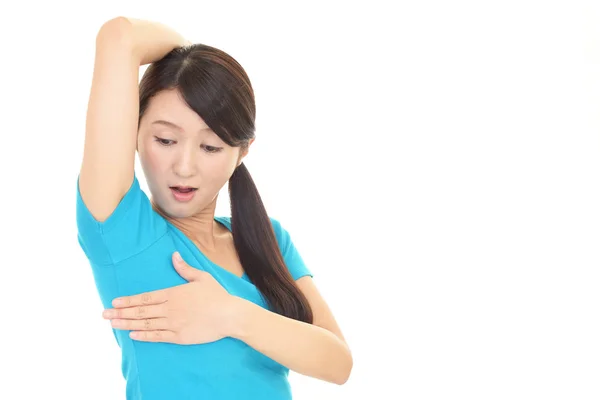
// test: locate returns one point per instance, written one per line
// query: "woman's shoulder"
(132, 226)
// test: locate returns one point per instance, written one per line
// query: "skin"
(185, 156)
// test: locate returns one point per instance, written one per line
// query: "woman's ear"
(244, 152)
(241, 158)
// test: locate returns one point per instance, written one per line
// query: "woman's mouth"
(183, 194)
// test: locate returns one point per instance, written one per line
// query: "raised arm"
(122, 46)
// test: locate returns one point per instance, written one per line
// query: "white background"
(437, 164)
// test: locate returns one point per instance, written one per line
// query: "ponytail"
(258, 249)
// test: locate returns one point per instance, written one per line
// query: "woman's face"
(176, 148)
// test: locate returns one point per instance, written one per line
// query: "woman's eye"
(212, 149)
(164, 142)
(169, 142)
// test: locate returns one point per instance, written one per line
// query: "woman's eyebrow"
(175, 126)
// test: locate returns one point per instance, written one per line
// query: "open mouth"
(183, 194)
(183, 190)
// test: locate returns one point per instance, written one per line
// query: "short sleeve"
(290, 253)
(132, 227)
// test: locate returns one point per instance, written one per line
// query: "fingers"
(148, 324)
(155, 336)
(155, 297)
(138, 312)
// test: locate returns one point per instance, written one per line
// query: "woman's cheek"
(155, 160)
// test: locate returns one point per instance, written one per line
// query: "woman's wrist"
(149, 40)
(234, 313)
(154, 40)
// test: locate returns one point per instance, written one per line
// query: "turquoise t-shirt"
(130, 253)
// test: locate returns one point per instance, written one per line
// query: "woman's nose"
(185, 164)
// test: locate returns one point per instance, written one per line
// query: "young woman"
(242, 309)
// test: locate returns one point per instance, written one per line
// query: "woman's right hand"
(149, 40)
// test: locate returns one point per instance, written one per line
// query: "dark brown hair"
(216, 87)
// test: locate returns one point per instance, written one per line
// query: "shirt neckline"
(195, 248)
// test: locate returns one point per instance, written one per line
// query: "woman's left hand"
(200, 311)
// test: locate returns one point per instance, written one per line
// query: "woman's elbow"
(346, 370)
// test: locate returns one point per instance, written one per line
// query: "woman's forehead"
(168, 110)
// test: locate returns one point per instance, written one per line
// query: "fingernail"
(178, 256)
